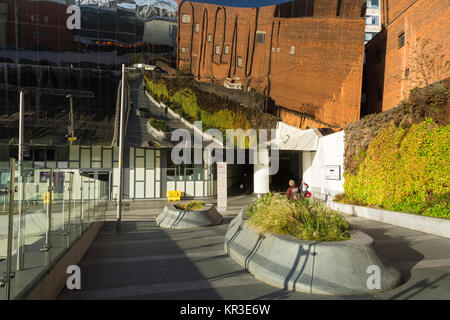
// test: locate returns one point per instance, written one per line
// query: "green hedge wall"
(405, 169)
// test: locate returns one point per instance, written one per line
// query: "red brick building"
(307, 55)
(393, 67)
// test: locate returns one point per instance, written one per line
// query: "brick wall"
(387, 63)
(311, 64)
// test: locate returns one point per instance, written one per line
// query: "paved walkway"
(137, 134)
(147, 262)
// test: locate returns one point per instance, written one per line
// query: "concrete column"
(261, 172)
(307, 160)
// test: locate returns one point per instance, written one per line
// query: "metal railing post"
(120, 164)
(64, 230)
(21, 180)
(89, 203)
(81, 205)
(47, 245)
(10, 228)
(69, 211)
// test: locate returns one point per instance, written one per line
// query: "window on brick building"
(373, 4)
(401, 39)
(227, 49)
(183, 50)
(218, 51)
(372, 20)
(209, 37)
(369, 36)
(197, 27)
(239, 62)
(260, 36)
(186, 18)
(292, 51)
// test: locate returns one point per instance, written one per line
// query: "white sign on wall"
(222, 186)
(333, 172)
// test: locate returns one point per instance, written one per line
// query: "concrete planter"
(157, 133)
(436, 226)
(184, 121)
(143, 114)
(334, 268)
(174, 218)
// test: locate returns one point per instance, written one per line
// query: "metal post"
(65, 231)
(81, 204)
(46, 247)
(72, 129)
(10, 228)
(89, 202)
(119, 184)
(70, 197)
(95, 194)
(21, 180)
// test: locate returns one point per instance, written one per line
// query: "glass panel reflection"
(62, 45)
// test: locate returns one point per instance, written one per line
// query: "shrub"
(429, 102)
(144, 109)
(159, 125)
(188, 102)
(157, 90)
(405, 170)
(191, 206)
(303, 218)
(185, 103)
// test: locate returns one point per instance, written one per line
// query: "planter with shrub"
(304, 246)
(189, 215)
(143, 112)
(158, 128)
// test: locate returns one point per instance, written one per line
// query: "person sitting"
(304, 189)
(292, 191)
